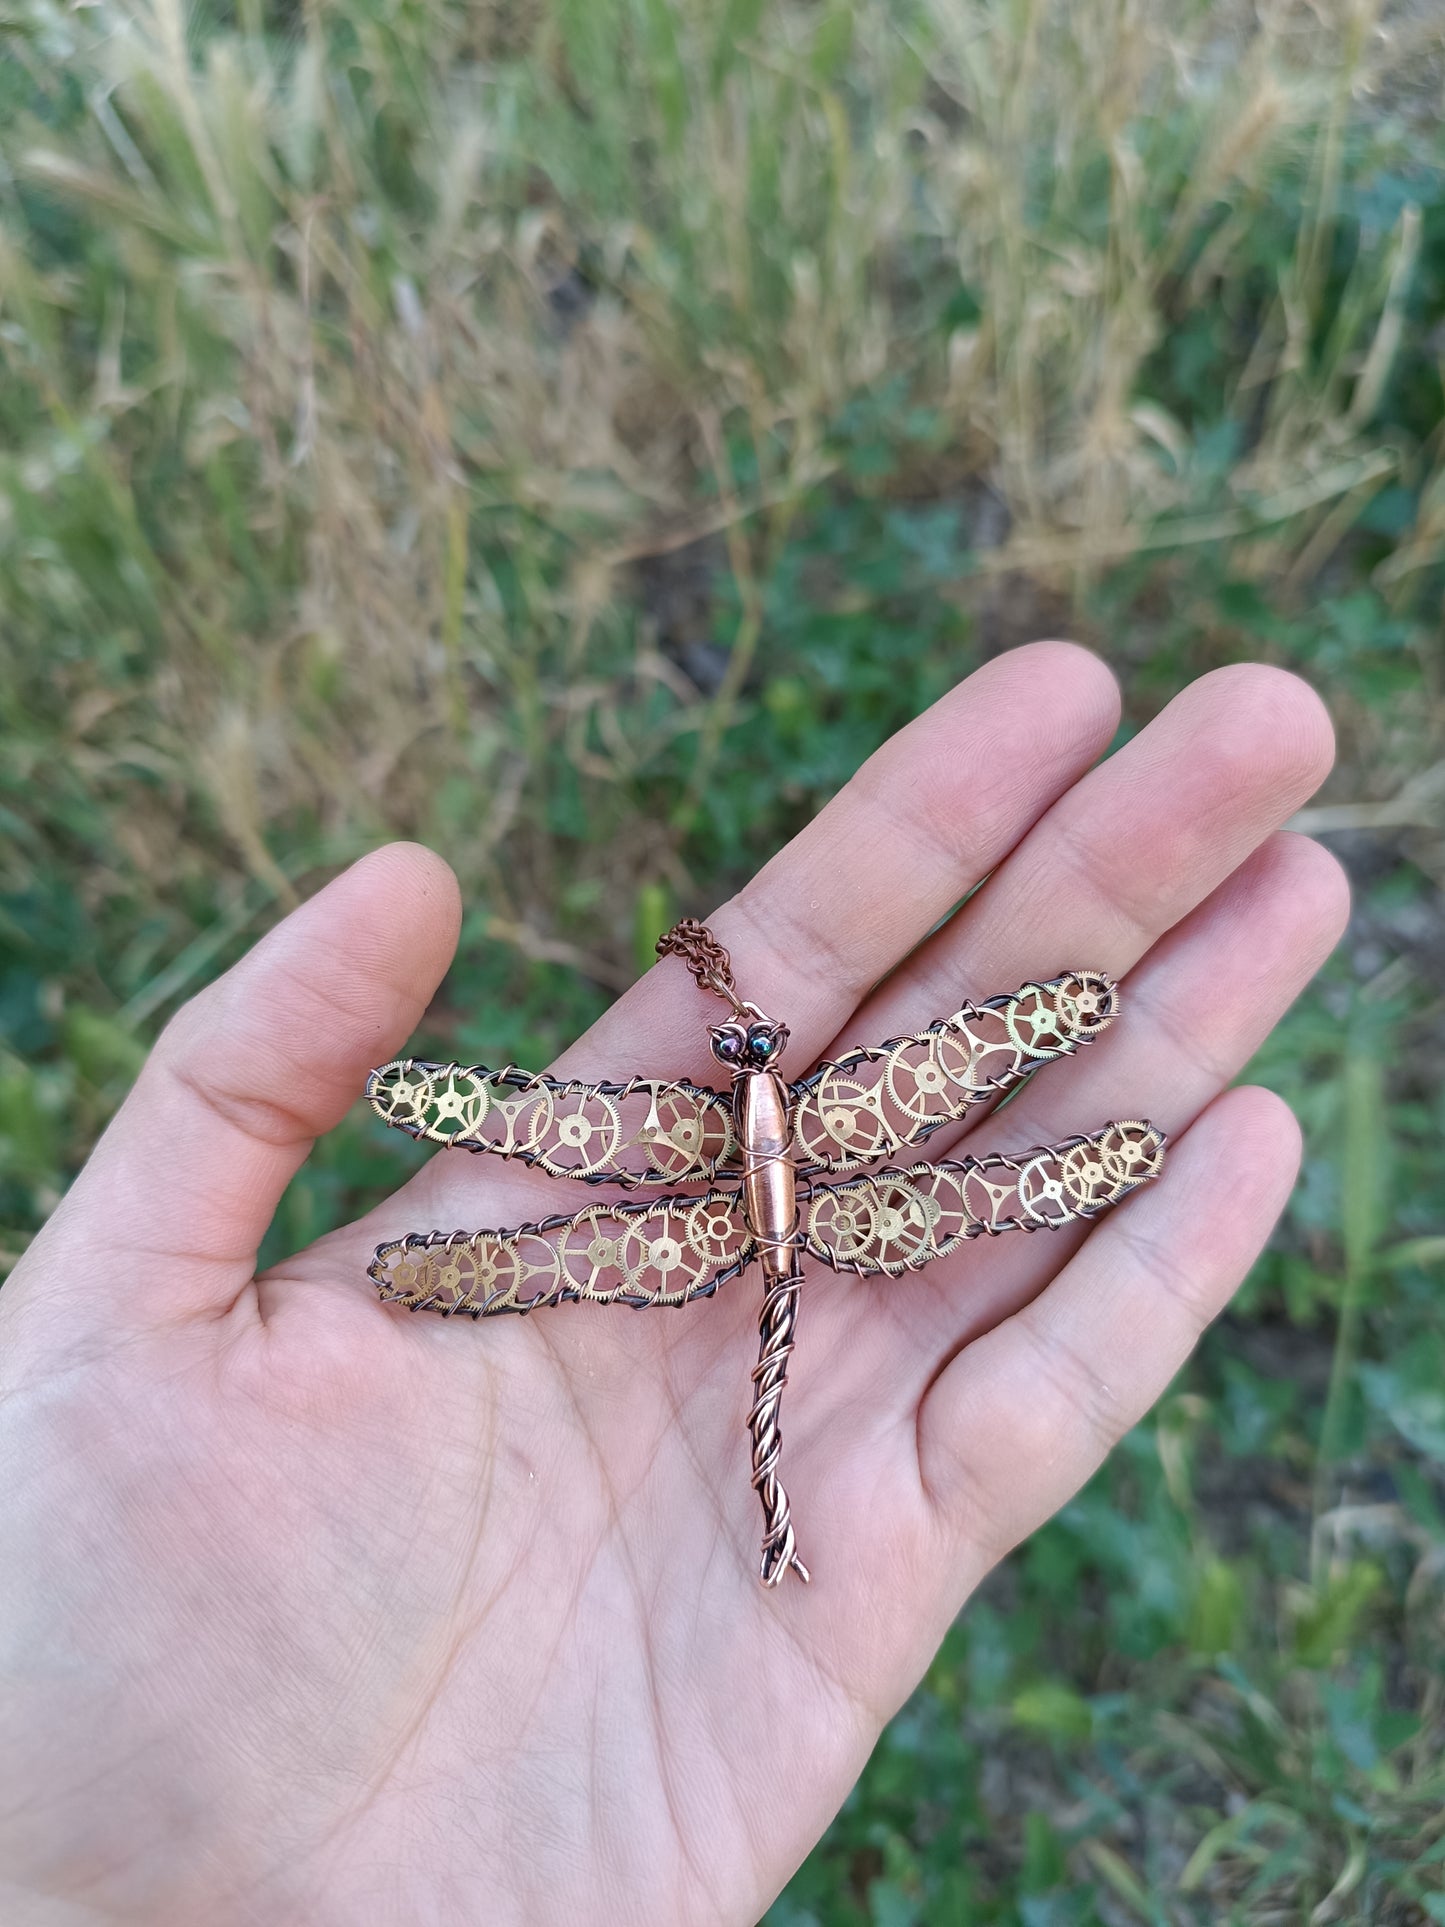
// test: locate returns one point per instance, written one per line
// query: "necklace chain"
(704, 956)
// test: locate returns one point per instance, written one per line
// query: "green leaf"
(890, 1906)
(1363, 1183)
(832, 43)
(1051, 1707)
(1044, 1864)
(1416, 1409)
(739, 24)
(652, 915)
(1116, 1873)
(1217, 1608)
(1328, 1625)
(100, 1046)
(665, 67)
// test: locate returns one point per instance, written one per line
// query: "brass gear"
(1085, 1180)
(655, 1244)
(399, 1094)
(843, 1223)
(1088, 1002)
(839, 1123)
(1034, 1024)
(1041, 1190)
(457, 1102)
(675, 1134)
(711, 1228)
(585, 1122)
(1131, 1151)
(926, 1088)
(905, 1218)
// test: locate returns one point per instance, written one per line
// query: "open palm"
(316, 1613)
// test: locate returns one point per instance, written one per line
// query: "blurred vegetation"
(574, 432)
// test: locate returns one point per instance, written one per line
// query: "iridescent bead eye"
(761, 1042)
(728, 1046)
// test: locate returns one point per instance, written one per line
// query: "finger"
(166, 1218)
(1203, 1001)
(1195, 1012)
(1127, 851)
(925, 817)
(1026, 1414)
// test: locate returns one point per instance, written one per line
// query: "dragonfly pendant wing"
(898, 1220)
(884, 1098)
(656, 1253)
(646, 1131)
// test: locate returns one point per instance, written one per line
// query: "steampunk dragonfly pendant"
(777, 1172)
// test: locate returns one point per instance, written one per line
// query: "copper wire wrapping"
(766, 1152)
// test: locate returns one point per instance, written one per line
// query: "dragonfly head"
(749, 1042)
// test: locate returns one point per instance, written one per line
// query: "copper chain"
(705, 957)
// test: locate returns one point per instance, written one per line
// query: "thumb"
(166, 1218)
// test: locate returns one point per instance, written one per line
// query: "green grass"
(461, 421)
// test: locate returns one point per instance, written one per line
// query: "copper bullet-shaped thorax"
(760, 1116)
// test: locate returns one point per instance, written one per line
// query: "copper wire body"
(763, 1129)
(770, 1205)
(770, 1183)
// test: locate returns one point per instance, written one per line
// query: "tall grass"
(356, 360)
(457, 420)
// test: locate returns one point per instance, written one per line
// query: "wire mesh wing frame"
(902, 1218)
(671, 1251)
(645, 1254)
(682, 1132)
(868, 1104)
(884, 1098)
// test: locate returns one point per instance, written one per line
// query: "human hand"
(318, 1613)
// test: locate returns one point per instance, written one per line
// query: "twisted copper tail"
(776, 1323)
